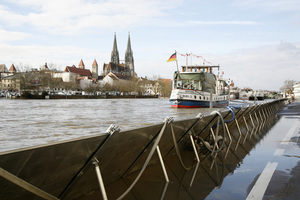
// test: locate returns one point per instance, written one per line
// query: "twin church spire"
(115, 53)
(129, 57)
(129, 62)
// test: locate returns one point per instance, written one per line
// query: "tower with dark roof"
(115, 53)
(81, 64)
(12, 69)
(95, 69)
(129, 63)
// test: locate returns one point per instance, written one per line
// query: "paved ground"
(291, 109)
(271, 170)
(284, 184)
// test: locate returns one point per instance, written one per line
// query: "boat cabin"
(207, 69)
(200, 78)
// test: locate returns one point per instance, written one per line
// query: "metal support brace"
(246, 128)
(198, 160)
(268, 111)
(267, 114)
(237, 125)
(272, 109)
(100, 180)
(162, 164)
(213, 162)
(264, 116)
(25, 185)
(246, 123)
(195, 149)
(164, 191)
(227, 150)
(177, 149)
(253, 126)
(194, 174)
(230, 140)
(262, 121)
(154, 147)
(258, 122)
(215, 141)
(228, 132)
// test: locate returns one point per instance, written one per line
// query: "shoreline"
(85, 97)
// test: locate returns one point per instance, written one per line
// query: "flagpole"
(186, 61)
(176, 61)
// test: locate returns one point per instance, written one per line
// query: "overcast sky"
(256, 42)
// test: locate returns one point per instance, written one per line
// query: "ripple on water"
(33, 122)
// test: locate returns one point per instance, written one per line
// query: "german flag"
(172, 58)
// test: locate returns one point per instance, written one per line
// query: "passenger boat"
(198, 87)
(246, 94)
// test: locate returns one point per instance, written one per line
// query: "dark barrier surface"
(171, 160)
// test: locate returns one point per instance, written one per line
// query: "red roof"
(120, 76)
(12, 68)
(95, 63)
(81, 64)
(81, 72)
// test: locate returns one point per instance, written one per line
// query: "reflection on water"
(33, 122)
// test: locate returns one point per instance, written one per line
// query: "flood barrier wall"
(109, 165)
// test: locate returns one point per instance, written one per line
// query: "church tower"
(95, 69)
(129, 64)
(81, 64)
(115, 53)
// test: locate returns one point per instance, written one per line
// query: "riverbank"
(86, 97)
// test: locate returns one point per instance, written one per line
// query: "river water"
(27, 123)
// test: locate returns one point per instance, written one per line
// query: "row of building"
(113, 73)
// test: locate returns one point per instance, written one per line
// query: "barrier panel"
(162, 160)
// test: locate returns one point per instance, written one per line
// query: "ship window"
(179, 84)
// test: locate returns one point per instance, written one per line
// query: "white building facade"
(296, 90)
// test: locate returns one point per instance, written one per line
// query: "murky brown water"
(33, 122)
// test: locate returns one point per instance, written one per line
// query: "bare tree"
(288, 86)
(166, 88)
(92, 88)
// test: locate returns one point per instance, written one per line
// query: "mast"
(186, 60)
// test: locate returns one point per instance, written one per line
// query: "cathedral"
(124, 69)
